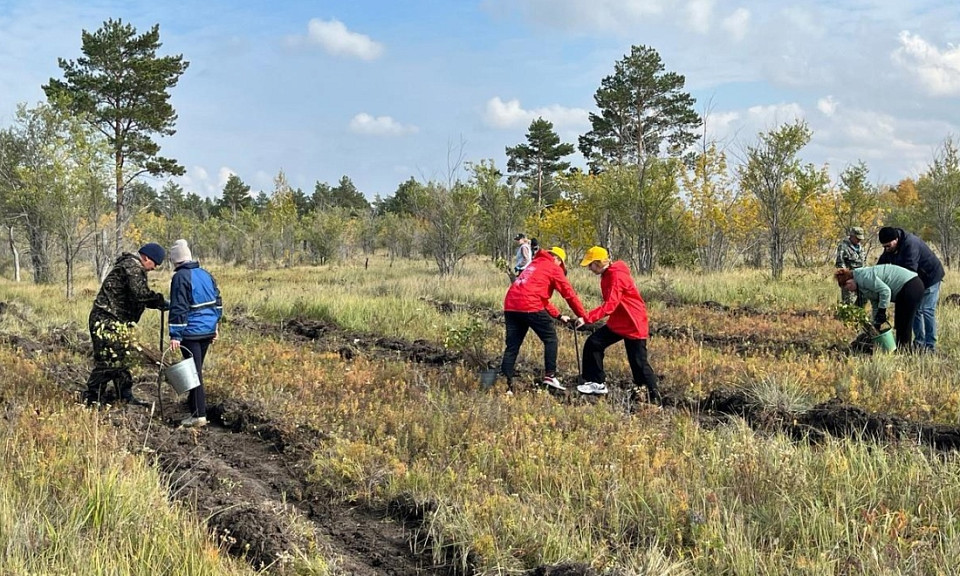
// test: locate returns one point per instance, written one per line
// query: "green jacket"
(849, 255)
(125, 292)
(880, 284)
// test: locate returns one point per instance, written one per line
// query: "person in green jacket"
(882, 284)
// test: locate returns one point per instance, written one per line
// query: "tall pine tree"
(537, 162)
(121, 86)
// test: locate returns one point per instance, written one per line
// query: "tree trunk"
(16, 254)
(118, 237)
(101, 260)
(38, 256)
(776, 255)
(68, 261)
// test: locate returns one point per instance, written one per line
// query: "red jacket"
(532, 289)
(622, 302)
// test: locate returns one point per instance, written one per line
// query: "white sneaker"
(592, 388)
(194, 422)
(552, 382)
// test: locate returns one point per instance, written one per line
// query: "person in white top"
(524, 253)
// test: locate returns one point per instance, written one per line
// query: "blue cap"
(154, 252)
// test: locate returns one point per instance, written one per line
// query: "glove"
(564, 319)
(881, 316)
(164, 306)
(579, 323)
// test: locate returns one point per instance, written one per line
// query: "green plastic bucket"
(182, 375)
(885, 341)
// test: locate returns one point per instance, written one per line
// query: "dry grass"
(526, 479)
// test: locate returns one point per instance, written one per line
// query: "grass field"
(513, 481)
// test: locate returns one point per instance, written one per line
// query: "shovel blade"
(487, 378)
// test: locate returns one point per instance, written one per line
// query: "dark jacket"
(195, 304)
(125, 292)
(913, 254)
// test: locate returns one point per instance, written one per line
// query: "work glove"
(881, 316)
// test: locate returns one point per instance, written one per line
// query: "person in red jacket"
(527, 307)
(628, 322)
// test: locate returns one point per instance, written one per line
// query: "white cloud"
(938, 72)
(364, 123)
(774, 115)
(827, 106)
(510, 114)
(223, 175)
(601, 15)
(336, 39)
(699, 14)
(737, 23)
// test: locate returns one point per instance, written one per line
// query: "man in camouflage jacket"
(122, 298)
(850, 255)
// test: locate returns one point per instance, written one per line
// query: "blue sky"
(384, 90)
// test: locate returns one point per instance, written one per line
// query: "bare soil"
(248, 478)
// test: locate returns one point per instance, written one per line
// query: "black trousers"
(593, 353)
(111, 344)
(907, 302)
(197, 398)
(518, 323)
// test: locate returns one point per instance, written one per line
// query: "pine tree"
(121, 86)
(537, 162)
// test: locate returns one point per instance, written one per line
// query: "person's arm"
(569, 294)
(610, 302)
(840, 262)
(140, 289)
(875, 285)
(180, 289)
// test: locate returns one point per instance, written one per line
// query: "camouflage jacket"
(849, 256)
(125, 292)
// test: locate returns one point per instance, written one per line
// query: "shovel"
(576, 353)
(487, 378)
(160, 365)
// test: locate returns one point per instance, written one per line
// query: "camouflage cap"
(856, 231)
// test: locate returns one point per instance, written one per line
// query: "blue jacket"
(913, 254)
(195, 304)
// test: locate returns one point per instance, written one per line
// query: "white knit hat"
(180, 252)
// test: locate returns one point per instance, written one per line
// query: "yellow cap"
(558, 251)
(594, 253)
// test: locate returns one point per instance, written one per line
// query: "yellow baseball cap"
(558, 251)
(594, 253)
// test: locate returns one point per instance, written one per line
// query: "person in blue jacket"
(195, 313)
(909, 251)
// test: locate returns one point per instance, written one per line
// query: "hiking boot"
(552, 382)
(194, 422)
(592, 388)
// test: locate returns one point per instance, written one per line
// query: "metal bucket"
(182, 375)
(885, 341)
(487, 378)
